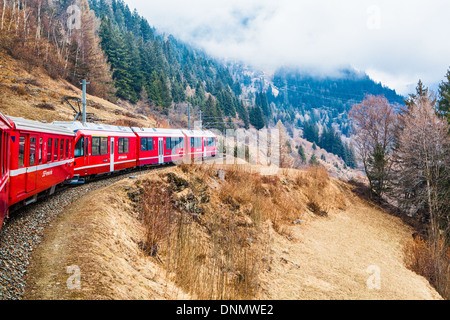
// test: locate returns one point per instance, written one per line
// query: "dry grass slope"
(33, 95)
(186, 233)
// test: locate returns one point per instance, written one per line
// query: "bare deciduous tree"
(3, 13)
(374, 122)
(422, 163)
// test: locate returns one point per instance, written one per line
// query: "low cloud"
(396, 42)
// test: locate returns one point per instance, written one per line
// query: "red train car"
(36, 157)
(200, 144)
(159, 146)
(209, 144)
(101, 149)
(41, 157)
(5, 134)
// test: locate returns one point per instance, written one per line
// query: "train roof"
(4, 119)
(77, 126)
(199, 133)
(38, 126)
(157, 131)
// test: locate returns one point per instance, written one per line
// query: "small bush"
(21, 90)
(157, 208)
(45, 106)
(125, 123)
(431, 261)
(131, 115)
(319, 176)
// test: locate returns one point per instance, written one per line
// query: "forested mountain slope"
(132, 64)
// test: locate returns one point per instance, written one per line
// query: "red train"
(37, 157)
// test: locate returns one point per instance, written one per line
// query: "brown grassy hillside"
(193, 232)
(32, 94)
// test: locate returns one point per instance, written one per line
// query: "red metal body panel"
(175, 153)
(39, 160)
(112, 159)
(210, 149)
(35, 157)
(5, 133)
(168, 146)
(148, 155)
(197, 144)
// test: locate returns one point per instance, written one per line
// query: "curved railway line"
(24, 231)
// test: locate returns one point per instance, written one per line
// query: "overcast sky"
(395, 42)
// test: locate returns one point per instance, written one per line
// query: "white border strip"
(18, 172)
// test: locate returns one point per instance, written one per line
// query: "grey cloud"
(401, 45)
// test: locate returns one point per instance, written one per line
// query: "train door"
(204, 147)
(111, 159)
(31, 171)
(4, 174)
(80, 152)
(161, 150)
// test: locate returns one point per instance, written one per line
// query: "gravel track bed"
(23, 232)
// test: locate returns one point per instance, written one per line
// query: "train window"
(41, 146)
(124, 145)
(210, 142)
(196, 142)
(49, 149)
(61, 150)
(5, 153)
(103, 146)
(2, 154)
(149, 144)
(99, 146)
(146, 144)
(32, 154)
(95, 146)
(55, 155)
(174, 143)
(21, 151)
(7, 146)
(3, 150)
(67, 149)
(3, 142)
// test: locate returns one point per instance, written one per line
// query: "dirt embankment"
(32, 94)
(312, 241)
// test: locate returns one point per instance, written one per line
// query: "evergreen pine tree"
(313, 160)
(301, 152)
(256, 117)
(444, 100)
(421, 91)
(311, 132)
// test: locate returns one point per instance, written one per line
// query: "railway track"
(24, 230)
